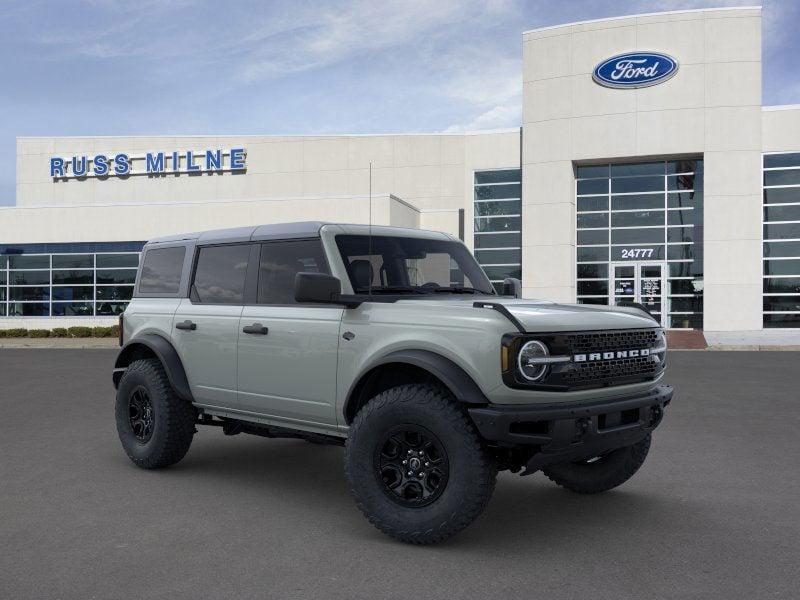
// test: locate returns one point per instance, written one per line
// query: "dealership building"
(645, 169)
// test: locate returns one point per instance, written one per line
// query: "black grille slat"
(603, 341)
(610, 370)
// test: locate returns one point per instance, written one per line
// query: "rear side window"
(280, 262)
(220, 274)
(161, 270)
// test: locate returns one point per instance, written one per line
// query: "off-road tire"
(173, 419)
(472, 471)
(605, 473)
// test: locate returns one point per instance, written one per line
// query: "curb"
(59, 343)
(741, 348)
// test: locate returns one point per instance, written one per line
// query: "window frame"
(256, 277)
(7, 270)
(247, 292)
(137, 293)
(770, 318)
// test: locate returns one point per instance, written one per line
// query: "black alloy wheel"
(140, 414)
(411, 465)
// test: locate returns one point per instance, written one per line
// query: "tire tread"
(178, 418)
(453, 414)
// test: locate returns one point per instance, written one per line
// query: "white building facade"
(645, 169)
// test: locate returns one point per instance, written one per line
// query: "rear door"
(288, 351)
(206, 325)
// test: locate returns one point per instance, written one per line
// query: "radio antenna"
(369, 253)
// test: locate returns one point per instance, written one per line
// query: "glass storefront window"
(497, 223)
(781, 288)
(29, 261)
(110, 261)
(73, 261)
(649, 216)
(66, 283)
(28, 309)
(72, 309)
(79, 277)
(116, 276)
(29, 277)
(70, 292)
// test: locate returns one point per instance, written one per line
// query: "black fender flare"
(166, 354)
(454, 378)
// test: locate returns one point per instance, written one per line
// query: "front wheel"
(600, 473)
(415, 465)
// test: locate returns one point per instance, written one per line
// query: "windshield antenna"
(369, 252)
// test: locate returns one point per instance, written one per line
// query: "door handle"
(186, 325)
(256, 328)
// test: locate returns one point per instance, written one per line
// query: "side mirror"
(317, 287)
(512, 287)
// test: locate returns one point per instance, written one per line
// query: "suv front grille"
(593, 371)
(603, 341)
(613, 371)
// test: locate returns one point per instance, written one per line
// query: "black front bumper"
(564, 432)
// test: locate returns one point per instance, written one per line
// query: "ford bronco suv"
(393, 343)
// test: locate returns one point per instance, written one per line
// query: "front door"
(640, 282)
(288, 351)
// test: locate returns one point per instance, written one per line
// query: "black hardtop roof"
(275, 231)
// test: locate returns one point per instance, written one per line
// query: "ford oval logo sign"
(635, 70)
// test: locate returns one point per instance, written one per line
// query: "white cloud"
(322, 37)
(497, 117)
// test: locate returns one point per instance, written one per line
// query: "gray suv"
(393, 343)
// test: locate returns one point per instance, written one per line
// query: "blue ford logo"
(635, 70)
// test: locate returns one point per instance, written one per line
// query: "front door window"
(641, 283)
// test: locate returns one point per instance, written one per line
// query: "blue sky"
(101, 67)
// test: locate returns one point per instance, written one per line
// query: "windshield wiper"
(458, 290)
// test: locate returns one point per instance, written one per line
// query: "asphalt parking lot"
(714, 512)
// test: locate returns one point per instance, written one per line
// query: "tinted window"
(116, 260)
(387, 264)
(73, 261)
(502, 176)
(29, 262)
(161, 271)
(280, 262)
(119, 276)
(220, 273)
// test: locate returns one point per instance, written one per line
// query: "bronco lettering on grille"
(594, 356)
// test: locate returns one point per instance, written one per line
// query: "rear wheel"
(600, 473)
(154, 425)
(415, 465)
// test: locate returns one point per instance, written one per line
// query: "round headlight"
(526, 360)
(660, 349)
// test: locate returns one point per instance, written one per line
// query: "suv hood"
(536, 316)
(543, 316)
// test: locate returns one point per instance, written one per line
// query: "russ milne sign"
(635, 70)
(151, 163)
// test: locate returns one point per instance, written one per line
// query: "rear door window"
(161, 270)
(220, 274)
(280, 262)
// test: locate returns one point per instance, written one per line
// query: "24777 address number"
(637, 253)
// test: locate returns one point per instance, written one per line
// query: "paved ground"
(714, 513)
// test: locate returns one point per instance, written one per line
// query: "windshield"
(405, 265)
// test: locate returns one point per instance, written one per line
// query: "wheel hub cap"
(411, 465)
(140, 414)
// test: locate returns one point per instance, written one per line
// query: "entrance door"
(642, 283)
